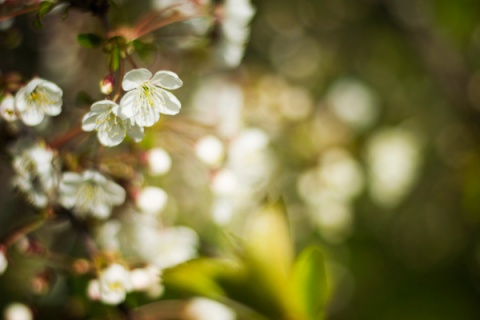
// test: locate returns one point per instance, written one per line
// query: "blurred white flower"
(90, 192)
(224, 183)
(354, 103)
(146, 97)
(114, 282)
(35, 175)
(219, 103)
(159, 161)
(147, 279)
(37, 99)
(235, 15)
(175, 245)
(151, 200)
(3, 262)
(143, 238)
(93, 290)
(17, 311)
(249, 156)
(337, 174)
(207, 309)
(394, 157)
(209, 149)
(107, 235)
(7, 108)
(111, 124)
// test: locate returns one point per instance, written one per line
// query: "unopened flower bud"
(107, 84)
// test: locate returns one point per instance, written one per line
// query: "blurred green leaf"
(308, 281)
(197, 277)
(269, 245)
(44, 8)
(115, 58)
(89, 40)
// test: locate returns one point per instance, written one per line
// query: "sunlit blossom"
(147, 279)
(152, 200)
(37, 99)
(114, 284)
(7, 108)
(209, 149)
(36, 174)
(159, 161)
(111, 124)
(90, 193)
(146, 97)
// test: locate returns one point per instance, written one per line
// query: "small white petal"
(102, 106)
(32, 117)
(53, 109)
(111, 135)
(135, 78)
(167, 79)
(135, 132)
(172, 105)
(89, 122)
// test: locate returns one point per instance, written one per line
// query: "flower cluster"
(33, 102)
(145, 99)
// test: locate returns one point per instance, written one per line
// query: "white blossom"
(111, 124)
(394, 159)
(236, 16)
(159, 161)
(207, 309)
(144, 240)
(147, 279)
(7, 108)
(114, 283)
(210, 150)
(90, 193)
(36, 174)
(146, 97)
(37, 99)
(152, 200)
(17, 311)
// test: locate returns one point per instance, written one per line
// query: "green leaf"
(308, 281)
(197, 277)
(89, 40)
(115, 58)
(44, 8)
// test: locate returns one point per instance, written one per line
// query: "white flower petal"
(20, 102)
(111, 135)
(89, 122)
(116, 193)
(171, 104)
(135, 78)
(53, 109)
(102, 106)
(32, 116)
(135, 132)
(167, 79)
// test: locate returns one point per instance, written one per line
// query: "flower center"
(39, 97)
